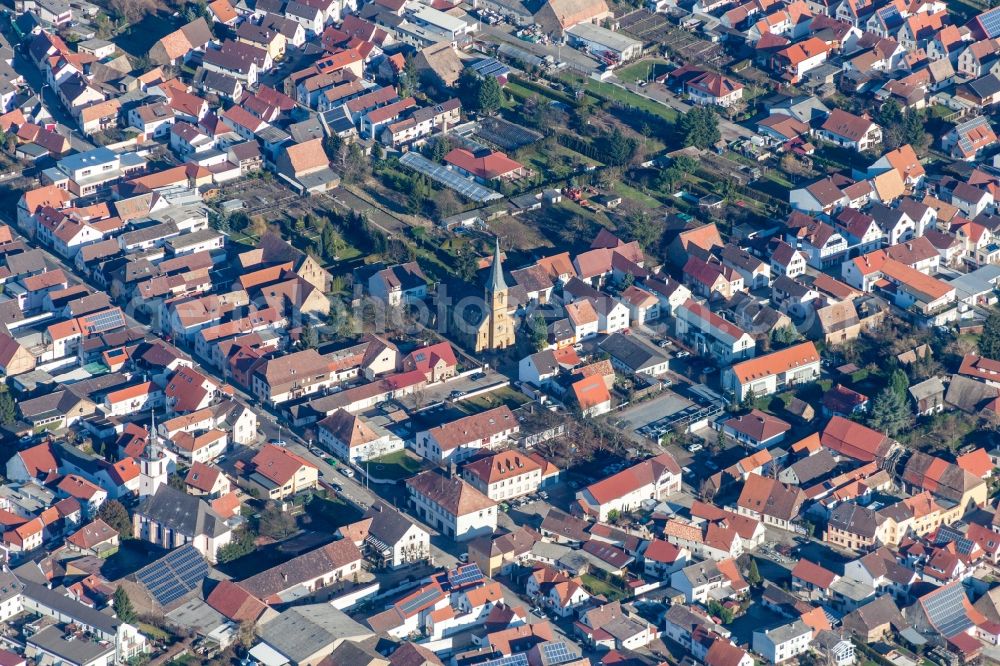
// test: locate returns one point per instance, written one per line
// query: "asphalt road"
(64, 121)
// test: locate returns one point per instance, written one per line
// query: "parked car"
(347, 471)
(682, 354)
(694, 448)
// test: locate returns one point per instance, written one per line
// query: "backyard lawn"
(644, 69)
(396, 465)
(614, 93)
(596, 586)
(502, 396)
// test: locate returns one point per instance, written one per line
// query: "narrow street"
(65, 123)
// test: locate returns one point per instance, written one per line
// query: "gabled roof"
(855, 440)
(777, 362)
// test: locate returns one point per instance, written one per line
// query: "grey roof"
(980, 281)
(56, 600)
(192, 238)
(302, 631)
(927, 388)
(496, 282)
(814, 466)
(786, 632)
(10, 586)
(854, 519)
(969, 395)
(50, 404)
(77, 650)
(32, 261)
(388, 524)
(985, 87)
(100, 155)
(182, 513)
(632, 353)
(150, 233)
(306, 130)
(198, 615)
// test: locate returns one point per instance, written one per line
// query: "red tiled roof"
(235, 603)
(487, 167)
(854, 440)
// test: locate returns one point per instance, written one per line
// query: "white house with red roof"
(767, 374)
(459, 439)
(132, 399)
(711, 335)
(661, 558)
(437, 362)
(90, 495)
(208, 480)
(120, 479)
(505, 475)
(34, 463)
(710, 88)
(200, 446)
(757, 430)
(653, 479)
(281, 473)
(189, 391)
(353, 438)
(485, 167)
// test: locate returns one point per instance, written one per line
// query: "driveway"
(658, 92)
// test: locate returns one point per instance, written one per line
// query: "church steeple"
(496, 282)
(496, 330)
(153, 451)
(153, 463)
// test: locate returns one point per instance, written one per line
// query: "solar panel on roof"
(512, 660)
(557, 653)
(413, 604)
(173, 575)
(465, 575)
(449, 178)
(104, 321)
(990, 21)
(947, 534)
(946, 610)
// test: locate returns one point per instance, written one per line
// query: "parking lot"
(451, 389)
(666, 404)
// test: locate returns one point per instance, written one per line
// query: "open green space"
(644, 69)
(395, 465)
(502, 396)
(612, 92)
(597, 586)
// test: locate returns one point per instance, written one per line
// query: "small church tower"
(497, 328)
(153, 463)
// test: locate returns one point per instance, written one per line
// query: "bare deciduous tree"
(132, 11)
